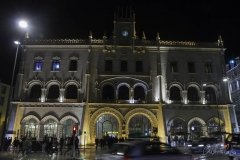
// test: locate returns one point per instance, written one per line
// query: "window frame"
(124, 66)
(73, 67)
(174, 67)
(54, 61)
(191, 67)
(137, 66)
(108, 65)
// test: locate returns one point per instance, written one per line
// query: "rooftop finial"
(220, 41)
(90, 35)
(158, 37)
(143, 36)
(104, 36)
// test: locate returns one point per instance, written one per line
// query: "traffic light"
(74, 129)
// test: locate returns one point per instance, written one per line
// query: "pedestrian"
(169, 140)
(76, 145)
(61, 143)
(16, 144)
(96, 142)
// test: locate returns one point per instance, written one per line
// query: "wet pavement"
(89, 153)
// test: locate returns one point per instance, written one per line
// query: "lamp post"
(9, 106)
(23, 25)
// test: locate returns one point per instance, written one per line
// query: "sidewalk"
(88, 153)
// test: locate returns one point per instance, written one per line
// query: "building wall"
(233, 74)
(156, 81)
(4, 95)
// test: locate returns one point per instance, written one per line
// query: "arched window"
(192, 94)
(107, 92)
(178, 127)
(210, 95)
(175, 94)
(107, 126)
(139, 93)
(123, 93)
(35, 92)
(215, 125)
(53, 92)
(67, 128)
(196, 129)
(50, 128)
(31, 128)
(71, 92)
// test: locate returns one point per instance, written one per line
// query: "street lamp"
(9, 106)
(24, 26)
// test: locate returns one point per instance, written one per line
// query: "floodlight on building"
(231, 61)
(225, 79)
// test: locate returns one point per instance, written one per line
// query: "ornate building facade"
(233, 73)
(121, 86)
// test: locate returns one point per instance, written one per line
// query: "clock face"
(125, 33)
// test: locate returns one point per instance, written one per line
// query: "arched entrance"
(139, 126)
(106, 125)
(148, 125)
(107, 111)
(197, 128)
(67, 128)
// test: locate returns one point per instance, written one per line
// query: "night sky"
(174, 20)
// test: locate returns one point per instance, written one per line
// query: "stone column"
(167, 96)
(79, 98)
(59, 131)
(184, 97)
(41, 131)
(61, 96)
(43, 95)
(202, 97)
(131, 94)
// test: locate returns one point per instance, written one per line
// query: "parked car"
(144, 150)
(197, 146)
(232, 144)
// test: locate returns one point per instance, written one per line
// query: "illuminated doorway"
(140, 126)
(107, 125)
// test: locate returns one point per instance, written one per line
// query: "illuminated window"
(67, 127)
(55, 65)
(38, 64)
(30, 128)
(50, 128)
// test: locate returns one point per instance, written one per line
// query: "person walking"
(96, 142)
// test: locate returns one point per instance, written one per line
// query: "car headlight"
(200, 145)
(120, 153)
(189, 145)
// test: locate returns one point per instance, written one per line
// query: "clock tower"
(124, 26)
